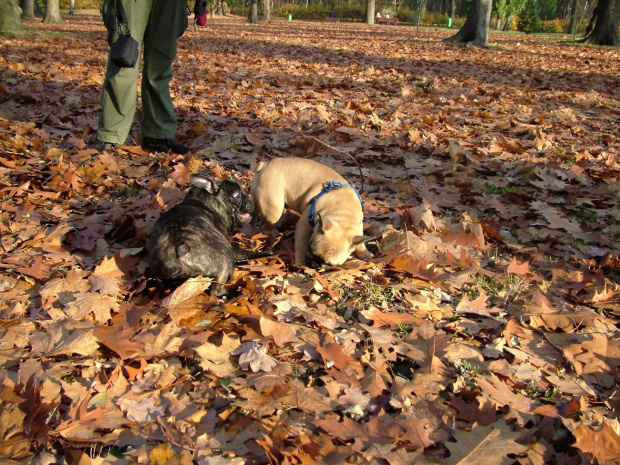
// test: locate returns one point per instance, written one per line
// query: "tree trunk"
(9, 16)
(452, 10)
(72, 7)
(30, 9)
(267, 4)
(574, 16)
(333, 13)
(422, 7)
(476, 27)
(605, 31)
(508, 23)
(253, 17)
(370, 12)
(52, 12)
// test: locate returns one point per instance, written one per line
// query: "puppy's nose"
(247, 205)
(313, 260)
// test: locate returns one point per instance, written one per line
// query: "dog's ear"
(357, 240)
(322, 225)
(203, 182)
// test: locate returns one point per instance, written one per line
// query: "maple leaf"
(38, 269)
(276, 377)
(217, 358)
(484, 444)
(100, 306)
(108, 268)
(165, 342)
(280, 332)
(333, 354)
(143, 411)
(65, 337)
(355, 402)
(473, 412)
(254, 356)
(308, 399)
(476, 307)
(363, 434)
(391, 319)
(263, 405)
(556, 220)
(500, 394)
(522, 269)
(417, 268)
(35, 424)
(189, 289)
(180, 174)
(119, 339)
(163, 454)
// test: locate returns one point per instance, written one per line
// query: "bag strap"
(120, 12)
(121, 16)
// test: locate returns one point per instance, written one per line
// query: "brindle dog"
(191, 239)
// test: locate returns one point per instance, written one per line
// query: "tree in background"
(574, 17)
(506, 11)
(452, 9)
(605, 21)
(370, 12)
(9, 16)
(421, 8)
(476, 27)
(253, 17)
(52, 12)
(31, 9)
(529, 20)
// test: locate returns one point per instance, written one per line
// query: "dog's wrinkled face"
(225, 197)
(243, 206)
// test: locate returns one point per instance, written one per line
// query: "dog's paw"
(364, 255)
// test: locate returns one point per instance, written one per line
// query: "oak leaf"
(603, 444)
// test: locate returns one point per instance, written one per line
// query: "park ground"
(485, 330)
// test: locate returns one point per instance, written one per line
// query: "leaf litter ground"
(485, 330)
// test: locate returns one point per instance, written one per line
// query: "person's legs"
(167, 22)
(119, 96)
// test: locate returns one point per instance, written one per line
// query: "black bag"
(124, 52)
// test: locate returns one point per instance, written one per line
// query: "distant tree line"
(597, 20)
(567, 16)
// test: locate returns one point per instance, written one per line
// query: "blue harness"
(332, 185)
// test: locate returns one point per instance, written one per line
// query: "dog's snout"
(313, 260)
(247, 205)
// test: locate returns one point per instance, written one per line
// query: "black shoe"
(163, 145)
(101, 145)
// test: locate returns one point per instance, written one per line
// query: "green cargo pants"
(156, 24)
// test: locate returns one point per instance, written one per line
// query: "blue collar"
(332, 185)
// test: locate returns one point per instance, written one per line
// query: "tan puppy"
(335, 229)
